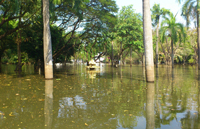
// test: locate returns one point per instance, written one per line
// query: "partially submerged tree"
(148, 45)
(47, 44)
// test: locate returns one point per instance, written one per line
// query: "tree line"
(82, 29)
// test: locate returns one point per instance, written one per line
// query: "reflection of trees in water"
(102, 103)
(190, 121)
(192, 118)
(107, 102)
(69, 107)
(150, 119)
(173, 100)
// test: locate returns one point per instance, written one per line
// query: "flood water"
(109, 98)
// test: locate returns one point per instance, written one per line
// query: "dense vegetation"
(82, 29)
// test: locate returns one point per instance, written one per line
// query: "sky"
(173, 5)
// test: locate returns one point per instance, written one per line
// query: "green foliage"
(33, 43)
(189, 11)
(191, 61)
(172, 29)
(128, 30)
(157, 12)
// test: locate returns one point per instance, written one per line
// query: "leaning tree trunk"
(149, 63)
(48, 62)
(157, 39)
(172, 54)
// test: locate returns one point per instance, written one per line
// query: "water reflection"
(48, 105)
(150, 120)
(115, 98)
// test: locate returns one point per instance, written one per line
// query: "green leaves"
(129, 28)
(157, 12)
(173, 29)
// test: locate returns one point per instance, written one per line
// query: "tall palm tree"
(191, 11)
(147, 30)
(174, 30)
(157, 12)
(48, 62)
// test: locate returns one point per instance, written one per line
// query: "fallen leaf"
(113, 114)
(23, 98)
(125, 110)
(41, 100)
(11, 114)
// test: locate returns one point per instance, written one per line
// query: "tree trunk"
(0, 63)
(198, 34)
(157, 39)
(18, 67)
(143, 59)
(112, 54)
(121, 53)
(150, 119)
(172, 54)
(198, 81)
(48, 62)
(149, 63)
(131, 56)
(19, 54)
(105, 54)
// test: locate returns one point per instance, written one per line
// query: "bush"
(191, 61)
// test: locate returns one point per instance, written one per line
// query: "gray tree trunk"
(147, 30)
(48, 62)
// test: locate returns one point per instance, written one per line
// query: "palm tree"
(48, 62)
(147, 31)
(174, 30)
(191, 11)
(157, 12)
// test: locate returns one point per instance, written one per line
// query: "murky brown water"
(111, 98)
